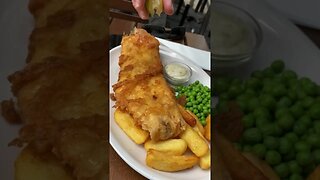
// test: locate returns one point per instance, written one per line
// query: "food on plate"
(191, 120)
(198, 127)
(196, 143)
(154, 7)
(171, 146)
(61, 93)
(167, 162)
(198, 99)
(207, 128)
(142, 91)
(145, 104)
(205, 160)
(127, 124)
(280, 118)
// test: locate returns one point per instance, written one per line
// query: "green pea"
(269, 129)
(248, 121)
(294, 167)
(282, 112)
(279, 90)
(300, 128)
(297, 110)
(262, 121)
(291, 136)
(261, 112)
(259, 150)
(289, 74)
(285, 146)
(257, 74)
(305, 120)
(313, 140)
(268, 72)
(252, 103)
(286, 122)
(296, 177)
(316, 126)
(302, 146)
(303, 158)
(271, 143)
(284, 102)
(307, 102)
(291, 155)
(273, 157)
(282, 170)
(267, 101)
(277, 66)
(252, 135)
(252, 83)
(314, 111)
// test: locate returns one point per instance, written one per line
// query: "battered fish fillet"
(142, 90)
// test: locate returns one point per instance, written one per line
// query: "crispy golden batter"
(78, 143)
(142, 90)
(62, 26)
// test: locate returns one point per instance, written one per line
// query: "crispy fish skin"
(142, 90)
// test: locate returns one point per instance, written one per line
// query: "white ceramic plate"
(133, 154)
(304, 12)
(281, 40)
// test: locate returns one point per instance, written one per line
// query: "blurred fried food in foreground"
(62, 93)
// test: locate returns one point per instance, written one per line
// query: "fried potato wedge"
(237, 165)
(171, 146)
(205, 161)
(315, 175)
(198, 127)
(191, 120)
(195, 142)
(170, 163)
(262, 165)
(30, 166)
(126, 123)
(207, 128)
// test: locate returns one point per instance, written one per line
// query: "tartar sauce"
(177, 73)
(230, 35)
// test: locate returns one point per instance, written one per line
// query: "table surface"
(118, 168)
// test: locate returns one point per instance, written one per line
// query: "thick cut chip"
(126, 123)
(167, 162)
(171, 146)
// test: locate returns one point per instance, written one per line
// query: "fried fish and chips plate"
(136, 155)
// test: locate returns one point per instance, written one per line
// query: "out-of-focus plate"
(134, 155)
(281, 40)
(301, 12)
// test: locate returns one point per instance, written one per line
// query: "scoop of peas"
(281, 118)
(197, 99)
